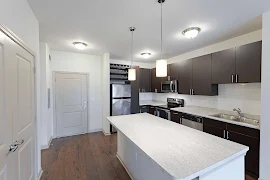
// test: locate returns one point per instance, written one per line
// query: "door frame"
(20, 42)
(54, 97)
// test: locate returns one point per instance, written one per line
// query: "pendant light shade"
(161, 65)
(131, 71)
(161, 68)
(132, 74)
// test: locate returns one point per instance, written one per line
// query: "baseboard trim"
(40, 174)
(94, 130)
(106, 134)
(47, 146)
(124, 166)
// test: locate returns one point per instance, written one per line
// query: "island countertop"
(183, 152)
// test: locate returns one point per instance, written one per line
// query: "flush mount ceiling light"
(80, 45)
(161, 65)
(146, 55)
(131, 71)
(191, 32)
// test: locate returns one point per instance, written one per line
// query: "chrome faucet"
(238, 110)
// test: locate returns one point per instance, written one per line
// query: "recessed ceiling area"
(104, 24)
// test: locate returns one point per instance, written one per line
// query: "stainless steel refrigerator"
(120, 101)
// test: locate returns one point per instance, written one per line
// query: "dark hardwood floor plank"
(85, 157)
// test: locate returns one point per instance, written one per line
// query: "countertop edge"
(218, 119)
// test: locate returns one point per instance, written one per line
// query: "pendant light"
(161, 65)
(131, 71)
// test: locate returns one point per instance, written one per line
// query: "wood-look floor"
(84, 157)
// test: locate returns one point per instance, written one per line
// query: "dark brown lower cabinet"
(248, 137)
(175, 116)
(214, 131)
(239, 134)
(152, 110)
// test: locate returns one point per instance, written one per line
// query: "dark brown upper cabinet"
(173, 71)
(185, 76)
(248, 63)
(237, 65)
(194, 77)
(155, 81)
(144, 80)
(202, 73)
(223, 67)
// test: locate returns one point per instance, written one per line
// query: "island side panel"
(137, 163)
(234, 170)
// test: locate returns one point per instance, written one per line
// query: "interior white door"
(16, 111)
(71, 104)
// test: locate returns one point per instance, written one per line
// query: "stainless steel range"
(164, 111)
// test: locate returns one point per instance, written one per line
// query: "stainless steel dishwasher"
(195, 122)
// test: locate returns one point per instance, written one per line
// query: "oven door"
(164, 113)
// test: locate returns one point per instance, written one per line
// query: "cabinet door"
(145, 80)
(175, 117)
(202, 81)
(184, 76)
(152, 110)
(214, 131)
(153, 80)
(223, 67)
(252, 157)
(173, 71)
(248, 62)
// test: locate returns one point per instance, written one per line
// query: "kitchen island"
(151, 148)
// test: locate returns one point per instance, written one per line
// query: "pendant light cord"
(161, 32)
(131, 49)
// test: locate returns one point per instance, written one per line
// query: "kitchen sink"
(237, 118)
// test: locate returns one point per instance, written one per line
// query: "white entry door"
(71, 104)
(17, 112)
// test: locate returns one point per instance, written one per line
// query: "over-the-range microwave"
(169, 86)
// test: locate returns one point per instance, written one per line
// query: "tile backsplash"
(247, 97)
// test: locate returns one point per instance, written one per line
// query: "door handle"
(13, 147)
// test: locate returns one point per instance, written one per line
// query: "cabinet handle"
(232, 78)
(175, 113)
(224, 134)
(236, 78)
(227, 134)
(189, 91)
(192, 91)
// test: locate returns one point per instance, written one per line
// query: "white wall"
(46, 132)
(74, 62)
(265, 122)
(246, 97)
(105, 92)
(20, 19)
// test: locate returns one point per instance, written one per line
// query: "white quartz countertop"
(207, 112)
(151, 103)
(183, 152)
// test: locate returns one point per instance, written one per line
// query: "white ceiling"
(104, 24)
